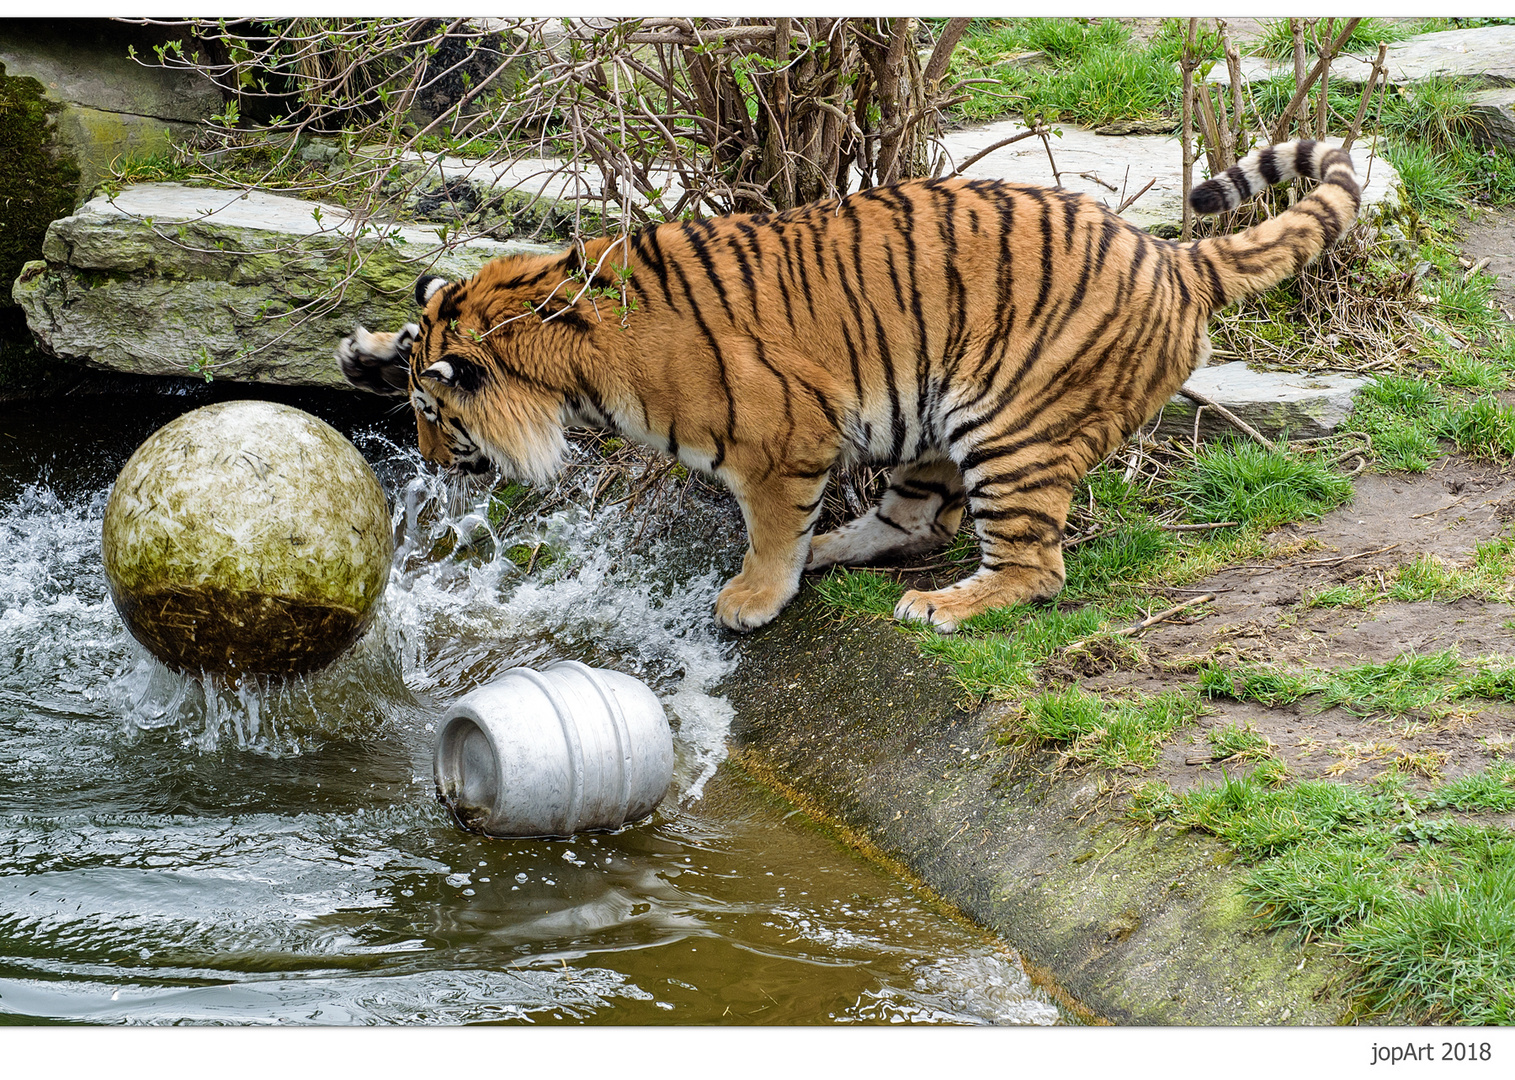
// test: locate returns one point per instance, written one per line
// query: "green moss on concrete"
(39, 181)
(1139, 924)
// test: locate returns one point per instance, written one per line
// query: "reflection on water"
(175, 850)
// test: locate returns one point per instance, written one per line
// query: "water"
(172, 851)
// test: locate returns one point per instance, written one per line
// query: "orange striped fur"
(992, 341)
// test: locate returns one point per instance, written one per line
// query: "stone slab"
(1274, 402)
(1494, 113)
(1110, 168)
(1485, 54)
(108, 105)
(89, 66)
(165, 279)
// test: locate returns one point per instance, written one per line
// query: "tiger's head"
(485, 368)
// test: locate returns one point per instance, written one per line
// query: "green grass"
(1063, 40)
(1278, 42)
(1424, 907)
(1492, 791)
(1317, 889)
(1129, 551)
(1259, 821)
(1235, 744)
(1409, 683)
(1108, 83)
(1002, 662)
(1407, 417)
(1243, 482)
(1483, 428)
(1444, 956)
(994, 654)
(1267, 686)
(1427, 577)
(1472, 372)
(1096, 74)
(1429, 178)
(1116, 734)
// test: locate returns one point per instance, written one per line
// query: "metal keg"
(554, 752)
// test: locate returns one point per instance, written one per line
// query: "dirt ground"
(1259, 617)
(1492, 237)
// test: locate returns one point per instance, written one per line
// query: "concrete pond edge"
(1120, 924)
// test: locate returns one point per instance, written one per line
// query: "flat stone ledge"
(1111, 169)
(1274, 402)
(165, 279)
(1485, 53)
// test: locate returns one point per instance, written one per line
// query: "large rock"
(1485, 54)
(1274, 402)
(1112, 169)
(165, 279)
(1494, 114)
(71, 103)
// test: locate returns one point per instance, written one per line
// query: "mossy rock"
(40, 183)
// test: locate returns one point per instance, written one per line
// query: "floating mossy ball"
(247, 537)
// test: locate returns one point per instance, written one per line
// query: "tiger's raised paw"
(378, 363)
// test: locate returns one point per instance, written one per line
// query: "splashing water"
(270, 851)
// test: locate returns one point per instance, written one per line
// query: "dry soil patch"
(1260, 617)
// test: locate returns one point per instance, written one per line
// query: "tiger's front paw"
(939, 608)
(742, 606)
(378, 363)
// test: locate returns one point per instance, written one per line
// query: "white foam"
(447, 624)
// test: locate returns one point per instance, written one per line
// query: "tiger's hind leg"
(1019, 519)
(919, 512)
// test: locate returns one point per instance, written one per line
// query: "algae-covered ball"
(247, 537)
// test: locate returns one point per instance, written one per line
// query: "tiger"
(990, 342)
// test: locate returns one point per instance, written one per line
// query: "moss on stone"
(39, 180)
(1139, 925)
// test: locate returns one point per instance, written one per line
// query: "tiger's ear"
(427, 287)
(457, 373)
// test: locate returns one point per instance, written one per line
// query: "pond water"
(174, 851)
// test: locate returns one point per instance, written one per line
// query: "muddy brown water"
(173, 850)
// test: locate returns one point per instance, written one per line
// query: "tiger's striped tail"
(1260, 257)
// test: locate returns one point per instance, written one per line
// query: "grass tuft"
(1240, 481)
(1318, 889)
(1124, 734)
(1444, 956)
(1277, 42)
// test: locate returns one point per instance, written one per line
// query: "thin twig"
(1349, 558)
(1231, 417)
(1121, 209)
(1150, 620)
(1153, 620)
(1367, 94)
(1433, 513)
(1281, 128)
(1187, 63)
(1036, 130)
